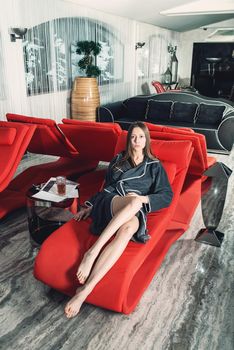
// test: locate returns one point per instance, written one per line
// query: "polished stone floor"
(189, 304)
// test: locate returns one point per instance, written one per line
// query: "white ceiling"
(148, 11)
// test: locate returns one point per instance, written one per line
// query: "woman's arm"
(161, 194)
(83, 213)
(144, 199)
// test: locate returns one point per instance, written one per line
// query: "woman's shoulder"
(118, 157)
(152, 161)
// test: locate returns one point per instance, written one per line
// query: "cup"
(61, 185)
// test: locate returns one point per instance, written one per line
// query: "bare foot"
(73, 306)
(85, 267)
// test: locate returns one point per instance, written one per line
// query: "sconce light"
(139, 45)
(17, 33)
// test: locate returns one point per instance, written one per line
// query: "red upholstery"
(90, 136)
(48, 138)
(41, 173)
(85, 135)
(17, 138)
(84, 123)
(61, 253)
(7, 136)
(160, 88)
(160, 149)
(156, 127)
(11, 200)
(197, 164)
(200, 161)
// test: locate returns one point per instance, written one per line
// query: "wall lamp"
(17, 33)
(139, 45)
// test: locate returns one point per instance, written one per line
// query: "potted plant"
(90, 50)
(85, 93)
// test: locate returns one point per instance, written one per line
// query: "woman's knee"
(135, 203)
(128, 229)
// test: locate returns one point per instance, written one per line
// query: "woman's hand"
(144, 199)
(82, 214)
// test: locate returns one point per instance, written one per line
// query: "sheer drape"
(36, 74)
(153, 58)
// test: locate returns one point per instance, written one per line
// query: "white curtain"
(153, 58)
(36, 73)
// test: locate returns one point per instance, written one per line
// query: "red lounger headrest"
(48, 138)
(156, 127)
(94, 140)
(168, 152)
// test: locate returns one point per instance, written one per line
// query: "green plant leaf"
(89, 49)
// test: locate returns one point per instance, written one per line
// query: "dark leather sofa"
(211, 117)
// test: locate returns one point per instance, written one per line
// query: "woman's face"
(138, 139)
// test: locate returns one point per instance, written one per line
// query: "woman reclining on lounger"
(135, 185)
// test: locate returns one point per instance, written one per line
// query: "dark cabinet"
(213, 69)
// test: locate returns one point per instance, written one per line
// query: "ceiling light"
(201, 8)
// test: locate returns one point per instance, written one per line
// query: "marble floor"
(189, 304)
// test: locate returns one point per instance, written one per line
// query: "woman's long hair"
(128, 155)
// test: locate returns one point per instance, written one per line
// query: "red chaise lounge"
(120, 290)
(47, 138)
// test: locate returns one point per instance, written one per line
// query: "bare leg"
(124, 209)
(106, 260)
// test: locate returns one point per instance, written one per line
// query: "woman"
(135, 185)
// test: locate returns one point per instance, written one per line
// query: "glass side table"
(45, 216)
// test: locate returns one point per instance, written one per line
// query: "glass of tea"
(61, 185)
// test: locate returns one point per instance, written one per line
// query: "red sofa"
(120, 290)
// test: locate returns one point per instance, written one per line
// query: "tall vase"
(85, 99)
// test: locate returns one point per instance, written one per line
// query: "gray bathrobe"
(147, 179)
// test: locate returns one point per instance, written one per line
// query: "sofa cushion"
(184, 112)
(7, 136)
(158, 110)
(210, 114)
(134, 109)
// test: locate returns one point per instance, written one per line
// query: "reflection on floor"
(188, 305)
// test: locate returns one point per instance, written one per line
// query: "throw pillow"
(158, 110)
(210, 114)
(134, 109)
(184, 112)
